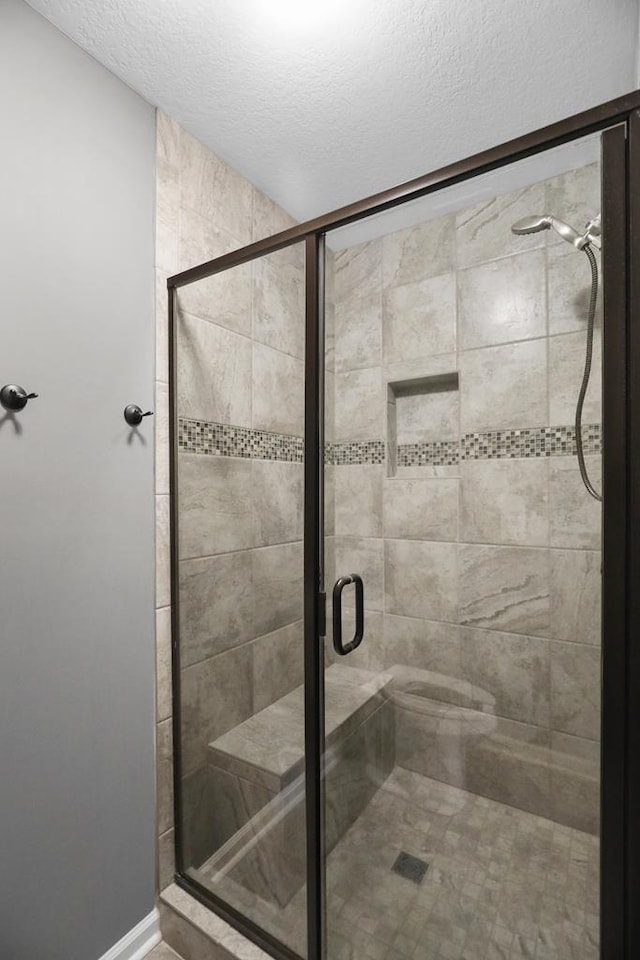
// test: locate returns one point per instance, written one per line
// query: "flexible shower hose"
(587, 372)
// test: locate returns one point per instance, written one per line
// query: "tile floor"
(502, 884)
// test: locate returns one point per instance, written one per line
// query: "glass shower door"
(463, 565)
(238, 572)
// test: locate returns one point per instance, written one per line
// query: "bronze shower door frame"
(619, 123)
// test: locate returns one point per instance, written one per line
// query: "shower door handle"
(341, 583)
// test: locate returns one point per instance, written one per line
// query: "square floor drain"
(409, 867)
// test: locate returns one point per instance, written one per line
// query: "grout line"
(240, 550)
(241, 646)
(249, 337)
(459, 543)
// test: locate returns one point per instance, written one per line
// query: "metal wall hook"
(133, 414)
(15, 398)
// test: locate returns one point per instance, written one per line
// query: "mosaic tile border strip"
(531, 442)
(439, 453)
(226, 440)
(528, 443)
(354, 452)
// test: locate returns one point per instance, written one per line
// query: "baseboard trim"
(138, 942)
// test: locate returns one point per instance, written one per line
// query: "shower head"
(531, 225)
(547, 222)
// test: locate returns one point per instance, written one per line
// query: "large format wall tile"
(357, 269)
(167, 193)
(358, 325)
(277, 664)
(412, 255)
(161, 420)
(277, 586)
(357, 298)
(504, 501)
(167, 250)
(216, 804)
(163, 546)
(358, 500)
(202, 239)
(505, 588)
(168, 134)
(512, 669)
(575, 689)
(216, 500)
(330, 500)
(329, 406)
(504, 386)
(419, 319)
(575, 782)
(423, 644)
(359, 406)
(503, 301)
(214, 373)
(371, 652)
(566, 367)
(216, 695)
(576, 595)
(163, 663)
(216, 605)
(575, 517)
(269, 218)
(421, 509)
(510, 764)
(429, 740)
(569, 277)
(421, 579)
(164, 776)
(224, 298)
(278, 304)
(278, 489)
(365, 557)
(166, 860)
(278, 395)
(214, 189)
(484, 231)
(162, 326)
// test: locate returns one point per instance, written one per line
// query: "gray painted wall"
(76, 499)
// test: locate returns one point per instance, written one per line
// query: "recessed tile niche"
(423, 424)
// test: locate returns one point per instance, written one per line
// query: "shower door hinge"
(322, 614)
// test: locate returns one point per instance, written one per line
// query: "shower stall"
(404, 539)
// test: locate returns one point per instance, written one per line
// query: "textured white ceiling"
(323, 103)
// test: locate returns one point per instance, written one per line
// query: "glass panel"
(462, 734)
(240, 342)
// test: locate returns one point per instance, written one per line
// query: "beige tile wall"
(488, 571)
(240, 362)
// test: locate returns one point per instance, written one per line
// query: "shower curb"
(196, 933)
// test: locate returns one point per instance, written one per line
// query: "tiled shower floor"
(502, 884)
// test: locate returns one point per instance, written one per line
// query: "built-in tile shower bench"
(259, 771)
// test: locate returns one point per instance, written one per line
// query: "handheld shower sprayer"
(546, 222)
(590, 238)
